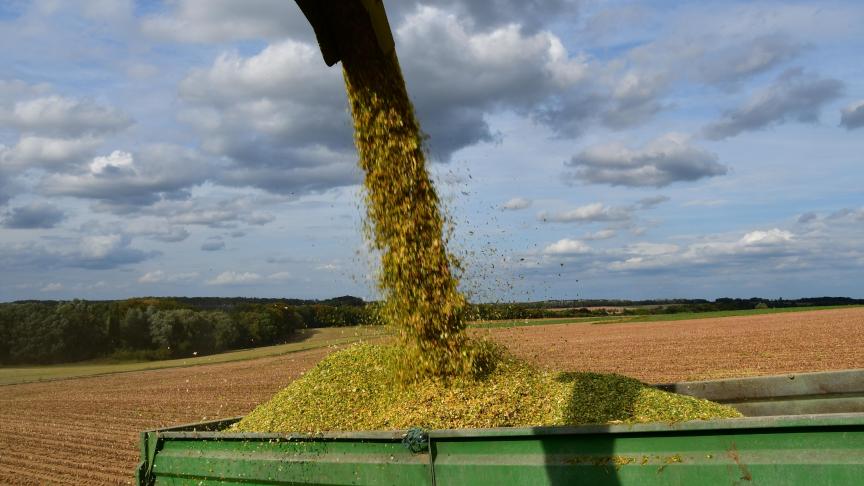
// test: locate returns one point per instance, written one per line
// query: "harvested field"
(698, 349)
(84, 431)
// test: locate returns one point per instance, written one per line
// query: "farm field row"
(681, 316)
(85, 430)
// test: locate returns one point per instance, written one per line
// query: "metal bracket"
(150, 445)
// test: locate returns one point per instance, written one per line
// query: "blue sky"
(583, 148)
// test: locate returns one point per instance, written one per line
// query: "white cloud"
(278, 117)
(66, 117)
(235, 278)
(589, 213)
(225, 20)
(651, 249)
(97, 247)
(97, 252)
(51, 132)
(156, 229)
(516, 204)
(52, 287)
(763, 238)
(219, 214)
(159, 276)
(601, 235)
(123, 179)
(279, 276)
(37, 151)
(117, 160)
(567, 246)
(667, 159)
(749, 249)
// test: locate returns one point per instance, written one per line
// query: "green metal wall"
(803, 450)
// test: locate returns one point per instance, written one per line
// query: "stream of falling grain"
(404, 221)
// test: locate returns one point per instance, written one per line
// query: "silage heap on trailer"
(790, 450)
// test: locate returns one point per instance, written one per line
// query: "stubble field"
(85, 431)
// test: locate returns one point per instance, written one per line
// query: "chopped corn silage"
(356, 389)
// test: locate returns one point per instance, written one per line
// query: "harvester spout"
(329, 23)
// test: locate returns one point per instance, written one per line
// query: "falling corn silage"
(434, 375)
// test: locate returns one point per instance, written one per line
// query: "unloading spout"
(330, 29)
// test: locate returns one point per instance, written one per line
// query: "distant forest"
(44, 332)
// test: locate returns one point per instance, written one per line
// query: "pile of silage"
(356, 389)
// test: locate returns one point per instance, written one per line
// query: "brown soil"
(698, 349)
(85, 431)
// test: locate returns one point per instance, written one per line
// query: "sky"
(581, 148)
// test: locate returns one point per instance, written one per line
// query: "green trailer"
(821, 448)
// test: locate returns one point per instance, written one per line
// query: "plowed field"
(84, 431)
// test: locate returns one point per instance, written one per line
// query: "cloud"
(223, 213)
(590, 213)
(530, 15)
(667, 159)
(807, 217)
(33, 216)
(247, 278)
(601, 235)
(124, 181)
(47, 152)
(12, 90)
(471, 73)
(278, 117)
(173, 234)
(843, 215)
(94, 252)
(733, 63)
(847, 213)
(235, 278)
(852, 116)
(794, 96)
(754, 247)
(52, 287)
(567, 246)
(213, 245)
(516, 204)
(159, 276)
(226, 20)
(766, 238)
(65, 117)
(53, 132)
(712, 56)
(651, 202)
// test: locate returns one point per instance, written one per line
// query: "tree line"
(44, 332)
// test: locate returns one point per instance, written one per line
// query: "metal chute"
(329, 30)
